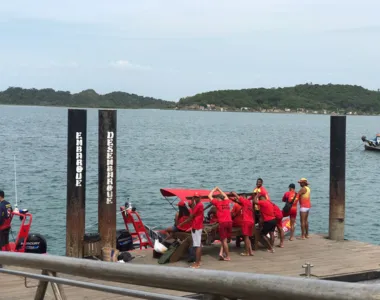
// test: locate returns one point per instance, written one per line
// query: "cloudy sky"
(174, 48)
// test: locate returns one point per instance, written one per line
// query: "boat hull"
(371, 148)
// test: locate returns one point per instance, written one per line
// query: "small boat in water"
(373, 144)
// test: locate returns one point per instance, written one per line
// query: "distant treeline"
(87, 98)
(331, 97)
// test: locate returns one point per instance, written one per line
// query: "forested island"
(87, 98)
(305, 98)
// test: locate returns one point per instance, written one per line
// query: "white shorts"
(197, 237)
(304, 209)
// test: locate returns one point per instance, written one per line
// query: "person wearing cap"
(5, 220)
(182, 214)
(196, 219)
(222, 204)
(305, 205)
(288, 197)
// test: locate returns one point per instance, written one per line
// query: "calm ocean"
(158, 148)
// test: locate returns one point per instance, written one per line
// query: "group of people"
(246, 212)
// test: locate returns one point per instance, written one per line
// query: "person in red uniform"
(5, 220)
(268, 217)
(248, 222)
(223, 213)
(278, 214)
(196, 220)
(237, 219)
(182, 214)
(261, 189)
(290, 196)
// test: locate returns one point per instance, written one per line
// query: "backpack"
(288, 205)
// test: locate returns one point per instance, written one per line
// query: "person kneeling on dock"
(224, 219)
(196, 220)
(268, 217)
(247, 225)
(5, 221)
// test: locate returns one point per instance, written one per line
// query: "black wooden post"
(337, 177)
(107, 177)
(76, 182)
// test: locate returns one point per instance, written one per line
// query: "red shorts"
(225, 230)
(247, 228)
(292, 214)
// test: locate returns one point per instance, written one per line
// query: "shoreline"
(195, 110)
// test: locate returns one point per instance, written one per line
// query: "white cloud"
(127, 65)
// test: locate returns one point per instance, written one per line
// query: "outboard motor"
(364, 138)
(124, 240)
(35, 243)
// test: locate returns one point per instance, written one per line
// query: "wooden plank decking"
(328, 257)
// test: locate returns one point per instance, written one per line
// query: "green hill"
(87, 98)
(330, 97)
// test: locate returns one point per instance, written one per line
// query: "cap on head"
(2, 194)
(292, 186)
(303, 180)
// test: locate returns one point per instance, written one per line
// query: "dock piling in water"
(337, 177)
(107, 177)
(76, 181)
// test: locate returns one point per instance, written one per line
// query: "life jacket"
(305, 199)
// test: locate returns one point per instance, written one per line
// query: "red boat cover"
(187, 194)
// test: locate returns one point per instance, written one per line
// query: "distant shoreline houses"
(213, 107)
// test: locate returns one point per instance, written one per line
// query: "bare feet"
(291, 239)
(281, 245)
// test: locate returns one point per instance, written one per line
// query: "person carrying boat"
(5, 220)
(248, 222)
(267, 216)
(291, 197)
(305, 205)
(222, 204)
(261, 189)
(196, 220)
(237, 219)
(278, 214)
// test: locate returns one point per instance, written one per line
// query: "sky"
(176, 48)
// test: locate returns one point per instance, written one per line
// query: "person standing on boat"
(248, 221)
(288, 197)
(182, 215)
(5, 220)
(224, 219)
(196, 219)
(305, 205)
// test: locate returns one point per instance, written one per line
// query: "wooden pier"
(329, 258)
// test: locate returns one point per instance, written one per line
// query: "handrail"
(223, 283)
(94, 286)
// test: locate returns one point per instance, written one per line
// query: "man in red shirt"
(182, 215)
(260, 189)
(224, 219)
(248, 222)
(268, 217)
(278, 214)
(196, 218)
(291, 196)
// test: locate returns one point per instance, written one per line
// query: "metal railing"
(233, 285)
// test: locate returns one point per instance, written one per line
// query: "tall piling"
(76, 181)
(337, 177)
(107, 177)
